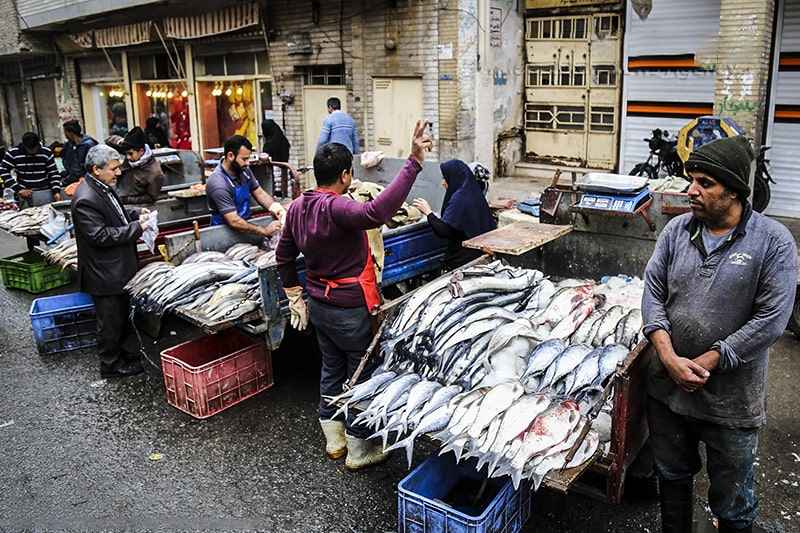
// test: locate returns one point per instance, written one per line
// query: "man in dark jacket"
(141, 171)
(106, 234)
(74, 152)
(719, 290)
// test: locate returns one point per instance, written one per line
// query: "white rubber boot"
(335, 443)
(362, 453)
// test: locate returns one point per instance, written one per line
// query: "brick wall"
(743, 63)
(448, 82)
(9, 28)
(68, 93)
(414, 26)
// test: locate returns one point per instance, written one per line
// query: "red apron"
(366, 278)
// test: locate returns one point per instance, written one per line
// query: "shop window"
(166, 103)
(104, 109)
(227, 108)
(214, 65)
(570, 118)
(602, 119)
(538, 117)
(606, 26)
(240, 64)
(604, 75)
(325, 75)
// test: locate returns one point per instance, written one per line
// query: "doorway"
(315, 109)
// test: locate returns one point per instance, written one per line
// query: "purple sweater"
(329, 230)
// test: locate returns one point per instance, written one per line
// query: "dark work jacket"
(144, 182)
(456, 255)
(74, 158)
(106, 242)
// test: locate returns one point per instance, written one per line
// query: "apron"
(241, 198)
(366, 279)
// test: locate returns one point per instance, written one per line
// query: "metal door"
(572, 88)
(397, 104)
(315, 109)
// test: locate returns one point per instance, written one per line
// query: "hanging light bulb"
(102, 93)
(184, 93)
(170, 94)
(228, 91)
(239, 90)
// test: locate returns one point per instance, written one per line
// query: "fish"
(581, 334)
(567, 325)
(434, 421)
(562, 303)
(548, 429)
(565, 363)
(628, 328)
(439, 398)
(417, 396)
(495, 402)
(610, 357)
(608, 324)
(583, 375)
(542, 356)
(362, 391)
(470, 285)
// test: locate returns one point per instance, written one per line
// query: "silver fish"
(608, 324)
(434, 421)
(565, 363)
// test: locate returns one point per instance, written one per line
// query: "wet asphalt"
(81, 453)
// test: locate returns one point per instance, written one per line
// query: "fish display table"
(517, 238)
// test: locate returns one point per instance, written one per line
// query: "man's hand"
(25, 193)
(421, 142)
(708, 360)
(271, 229)
(689, 375)
(56, 196)
(423, 206)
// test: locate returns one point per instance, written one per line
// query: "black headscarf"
(465, 207)
(275, 142)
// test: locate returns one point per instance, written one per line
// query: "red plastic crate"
(207, 375)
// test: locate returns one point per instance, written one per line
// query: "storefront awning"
(222, 21)
(126, 35)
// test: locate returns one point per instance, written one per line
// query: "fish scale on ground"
(487, 330)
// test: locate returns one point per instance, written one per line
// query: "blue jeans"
(730, 454)
(343, 335)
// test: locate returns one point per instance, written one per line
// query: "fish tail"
(407, 444)
(516, 477)
(458, 449)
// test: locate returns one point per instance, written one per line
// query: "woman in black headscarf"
(277, 146)
(465, 213)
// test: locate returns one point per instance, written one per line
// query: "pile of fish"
(498, 363)
(26, 221)
(64, 254)
(212, 286)
(366, 191)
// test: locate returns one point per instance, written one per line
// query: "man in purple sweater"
(330, 231)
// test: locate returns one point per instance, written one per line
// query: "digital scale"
(614, 195)
(620, 202)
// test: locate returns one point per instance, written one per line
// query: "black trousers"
(343, 335)
(116, 340)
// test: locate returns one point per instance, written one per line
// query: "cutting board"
(517, 238)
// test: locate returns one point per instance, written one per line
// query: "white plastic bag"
(56, 224)
(150, 234)
(371, 159)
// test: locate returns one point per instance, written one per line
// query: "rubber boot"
(725, 527)
(362, 453)
(335, 443)
(677, 505)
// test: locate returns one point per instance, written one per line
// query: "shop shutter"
(784, 126)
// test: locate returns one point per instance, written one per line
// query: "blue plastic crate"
(63, 323)
(420, 508)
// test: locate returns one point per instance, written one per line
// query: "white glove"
(297, 308)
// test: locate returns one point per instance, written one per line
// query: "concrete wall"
(506, 41)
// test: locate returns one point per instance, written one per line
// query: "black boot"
(726, 527)
(677, 505)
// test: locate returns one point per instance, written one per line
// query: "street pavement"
(77, 452)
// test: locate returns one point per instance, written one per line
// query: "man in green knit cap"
(719, 290)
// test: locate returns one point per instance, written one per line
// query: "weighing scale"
(614, 195)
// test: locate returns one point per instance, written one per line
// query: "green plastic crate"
(30, 272)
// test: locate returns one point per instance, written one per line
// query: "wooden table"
(517, 238)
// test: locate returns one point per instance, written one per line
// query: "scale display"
(621, 203)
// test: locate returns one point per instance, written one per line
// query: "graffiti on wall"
(495, 27)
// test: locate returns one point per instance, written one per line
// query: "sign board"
(548, 4)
